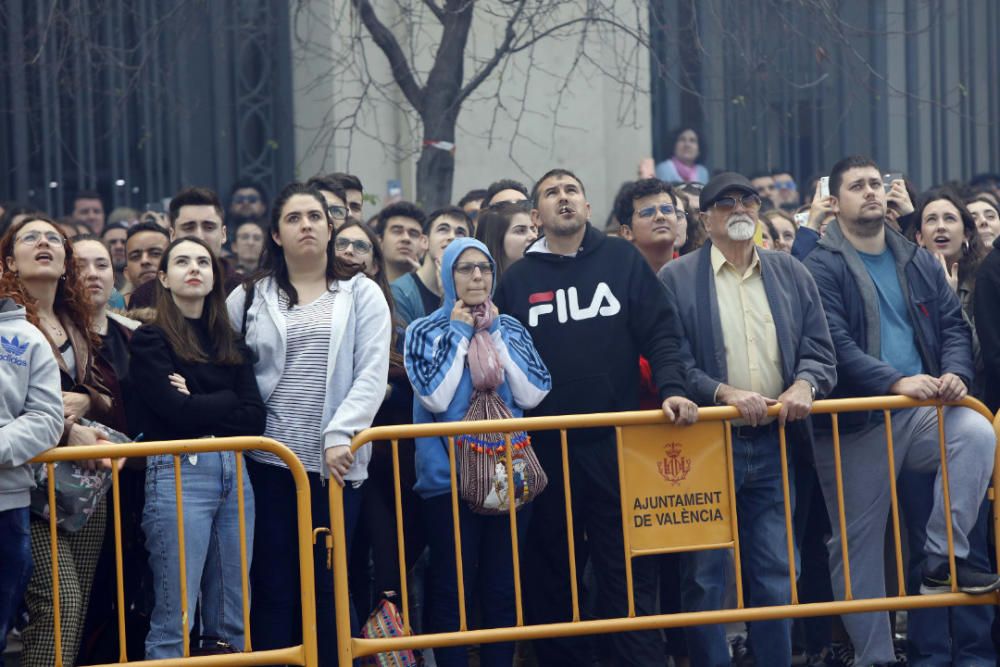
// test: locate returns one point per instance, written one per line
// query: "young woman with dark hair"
(192, 378)
(40, 273)
(986, 215)
(99, 642)
(506, 230)
(320, 331)
(946, 228)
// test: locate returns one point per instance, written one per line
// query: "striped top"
(295, 408)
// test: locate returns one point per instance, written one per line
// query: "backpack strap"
(250, 289)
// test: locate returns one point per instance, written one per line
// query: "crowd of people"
(301, 320)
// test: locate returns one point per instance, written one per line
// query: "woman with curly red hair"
(40, 274)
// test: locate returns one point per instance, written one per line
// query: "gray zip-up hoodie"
(31, 407)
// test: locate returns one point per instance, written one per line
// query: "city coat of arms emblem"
(674, 467)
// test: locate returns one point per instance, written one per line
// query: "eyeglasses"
(785, 185)
(650, 211)
(337, 212)
(246, 199)
(750, 202)
(468, 268)
(32, 238)
(360, 247)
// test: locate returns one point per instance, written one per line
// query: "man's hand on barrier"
(796, 402)
(952, 388)
(339, 460)
(752, 406)
(680, 410)
(919, 387)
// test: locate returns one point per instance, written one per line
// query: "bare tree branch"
(437, 11)
(386, 41)
(502, 51)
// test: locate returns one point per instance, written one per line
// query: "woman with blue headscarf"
(447, 355)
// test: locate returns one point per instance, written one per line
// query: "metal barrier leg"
(841, 512)
(182, 560)
(54, 547)
(514, 551)
(629, 593)
(731, 473)
(946, 494)
(119, 570)
(789, 532)
(894, 498)
(244, 560)
(400, 545)
(996, 491)
(459, 571)
(341, 591)
(570, 538)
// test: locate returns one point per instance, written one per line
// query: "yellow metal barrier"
(304, 654)
(624, 424)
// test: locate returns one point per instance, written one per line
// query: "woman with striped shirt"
(320, 334)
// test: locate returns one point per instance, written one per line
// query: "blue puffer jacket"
(943, 337)
(435, 359)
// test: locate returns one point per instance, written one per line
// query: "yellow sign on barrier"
(676, 487)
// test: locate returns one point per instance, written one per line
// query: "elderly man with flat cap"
(757, 333)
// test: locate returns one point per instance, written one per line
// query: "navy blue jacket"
(943, 337)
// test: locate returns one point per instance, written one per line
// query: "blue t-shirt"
(899, 347)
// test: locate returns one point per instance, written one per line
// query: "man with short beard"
(898, 329)
(754, 323)
(592, 306)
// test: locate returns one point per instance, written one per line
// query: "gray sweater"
(31, 407)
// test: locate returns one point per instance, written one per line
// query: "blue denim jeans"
(211, 549)
(764, 559)
(15, 567)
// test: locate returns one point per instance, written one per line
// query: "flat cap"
(722, 183)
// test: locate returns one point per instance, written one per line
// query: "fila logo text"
(566, 305)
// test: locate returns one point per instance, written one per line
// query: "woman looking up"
(320, 332)
(193, 379)
(467, 338)
(506, 230)
(40, 274)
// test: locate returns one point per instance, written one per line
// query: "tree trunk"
(435, 173)
(436, 166)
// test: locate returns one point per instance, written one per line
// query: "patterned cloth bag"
(78, 491)
(482, 457)
(385, 622)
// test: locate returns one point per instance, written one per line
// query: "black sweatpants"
(596, 515)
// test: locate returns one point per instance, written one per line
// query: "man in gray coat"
(758, 336)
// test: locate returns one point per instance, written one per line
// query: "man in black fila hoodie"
(592, 306)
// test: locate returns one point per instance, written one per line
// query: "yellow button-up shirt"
(748, 332)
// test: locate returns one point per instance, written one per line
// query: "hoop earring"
(965, 246)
